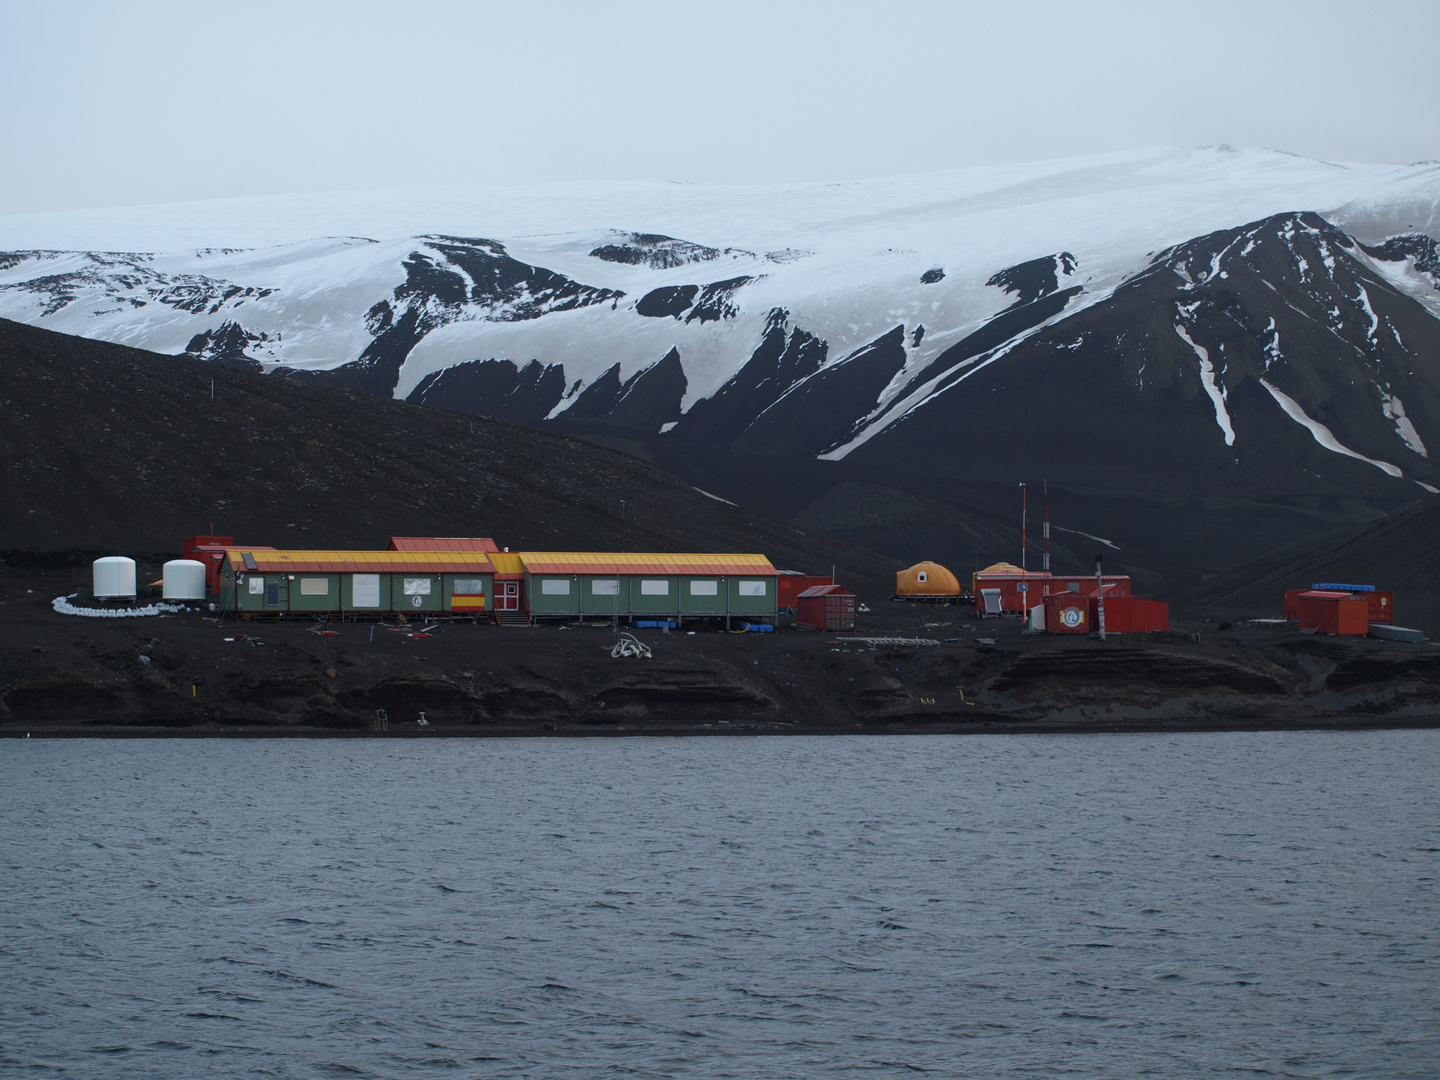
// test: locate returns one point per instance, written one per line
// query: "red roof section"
(442, 543)
(826, 590)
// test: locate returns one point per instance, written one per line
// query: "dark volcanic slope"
(115, 449)
(1400, 553)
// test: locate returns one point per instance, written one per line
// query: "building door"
(509, 596)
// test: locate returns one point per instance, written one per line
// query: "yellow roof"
(507, 562)
(634, 562)
(360, 562)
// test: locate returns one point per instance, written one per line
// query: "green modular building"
(358, 582)
(643, 586)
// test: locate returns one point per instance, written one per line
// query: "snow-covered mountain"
(1206, 323)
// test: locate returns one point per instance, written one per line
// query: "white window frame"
(753, 588)
(554, 586)
(655, 586)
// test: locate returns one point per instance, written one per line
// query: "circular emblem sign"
(1071, 616)
(416, 601)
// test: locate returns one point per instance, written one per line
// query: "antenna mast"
(1024, 506)
(1045, 559)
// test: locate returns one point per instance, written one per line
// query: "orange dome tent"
(926, 579)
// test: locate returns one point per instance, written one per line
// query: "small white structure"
(114, 578)
(184, 580)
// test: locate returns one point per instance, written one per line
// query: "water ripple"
(1177, 906)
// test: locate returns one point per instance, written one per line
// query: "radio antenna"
(1045, 559)
(1024, 506)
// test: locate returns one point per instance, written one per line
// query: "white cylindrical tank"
(184, 580)
(114, 578)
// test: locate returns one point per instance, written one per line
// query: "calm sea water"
(1170, 906)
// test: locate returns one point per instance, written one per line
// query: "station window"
(605, 587)
(704, 588)
(314, 586)
(365, 589)
(752, 588)
(655, 586)
(555, 587)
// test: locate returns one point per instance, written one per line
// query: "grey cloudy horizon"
(121, 104)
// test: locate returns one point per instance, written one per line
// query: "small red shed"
(789, 584)
(1068, 613)
(1324, 612)
(826, 607)
(210, 551)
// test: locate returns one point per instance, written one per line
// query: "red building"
(1005, 588)
(789, 585)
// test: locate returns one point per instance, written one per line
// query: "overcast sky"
(122, 103)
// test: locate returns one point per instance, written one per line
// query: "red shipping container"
(1381, 604)
(1131, 615)
(1333, 613)
(826, 607)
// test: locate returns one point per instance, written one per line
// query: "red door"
(509, 598)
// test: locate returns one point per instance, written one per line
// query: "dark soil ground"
(186, 675)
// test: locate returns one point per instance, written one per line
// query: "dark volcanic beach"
(187, 674)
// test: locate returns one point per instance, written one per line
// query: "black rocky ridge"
(113, 450)
(660, 252)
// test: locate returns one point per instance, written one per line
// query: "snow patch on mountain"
(1394, 409)
(1212, 388)
(1322, 434)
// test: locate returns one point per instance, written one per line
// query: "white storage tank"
(184, 580)
(114, 578)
